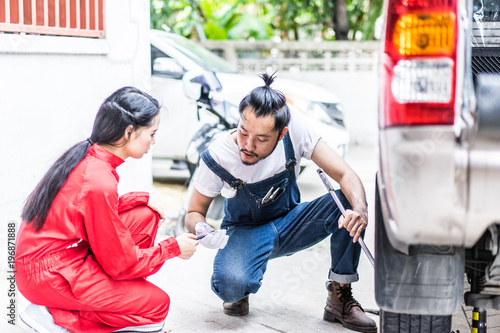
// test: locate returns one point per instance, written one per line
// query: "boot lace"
(348, 301)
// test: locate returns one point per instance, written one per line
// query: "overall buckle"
(238, 183)
(290, 164)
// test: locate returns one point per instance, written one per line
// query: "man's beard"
(254, 154)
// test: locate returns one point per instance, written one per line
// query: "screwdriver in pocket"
(267, 196)
(330, 189)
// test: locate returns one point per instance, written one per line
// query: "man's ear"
(282, 134)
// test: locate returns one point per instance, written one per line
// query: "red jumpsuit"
(89, 262)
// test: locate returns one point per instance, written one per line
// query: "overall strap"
(220, 171)
(289, 152)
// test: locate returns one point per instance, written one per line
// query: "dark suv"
(438, 186)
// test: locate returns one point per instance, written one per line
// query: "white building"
(58, 63)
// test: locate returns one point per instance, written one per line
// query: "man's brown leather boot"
(239, 308)
(341, 306)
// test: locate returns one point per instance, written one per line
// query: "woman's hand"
(187, 245)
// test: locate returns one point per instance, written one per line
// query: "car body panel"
(438, 182)
(416, 181)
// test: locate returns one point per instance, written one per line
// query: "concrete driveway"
(292, 296)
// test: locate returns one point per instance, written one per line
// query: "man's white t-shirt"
(226, 153)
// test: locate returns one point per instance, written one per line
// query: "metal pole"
(478, 320)
(330, 189)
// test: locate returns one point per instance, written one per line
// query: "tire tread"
(391, 322)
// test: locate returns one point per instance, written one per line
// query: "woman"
(83, 253)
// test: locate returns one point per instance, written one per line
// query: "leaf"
(249, 26)
(213, 31)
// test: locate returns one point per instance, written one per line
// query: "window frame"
(74, 18)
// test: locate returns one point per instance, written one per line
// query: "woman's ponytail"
(127, 106)
(40, 200)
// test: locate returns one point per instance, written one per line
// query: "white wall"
(349, 71)
(50, 91)
(357, 92)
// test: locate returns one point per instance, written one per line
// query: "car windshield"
(200, 55)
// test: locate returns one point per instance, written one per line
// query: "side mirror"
(198, 86)
(167, 67)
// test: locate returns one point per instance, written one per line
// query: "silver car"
(172, 56)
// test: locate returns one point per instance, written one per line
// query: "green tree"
(373, 14)
(354, 18)
(220, 19)
(175, 14)
(289, 17)
(262, 19)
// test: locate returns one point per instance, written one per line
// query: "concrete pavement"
(292, 296)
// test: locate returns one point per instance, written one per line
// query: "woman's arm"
(111, 241)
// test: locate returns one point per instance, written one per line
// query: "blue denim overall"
(261, 230)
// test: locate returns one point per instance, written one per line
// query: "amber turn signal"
(425, 34)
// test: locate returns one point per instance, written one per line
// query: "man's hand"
(212, 239)
(354, 222)
(187, 245)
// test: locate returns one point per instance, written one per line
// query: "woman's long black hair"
(126, 107)
(267, 101)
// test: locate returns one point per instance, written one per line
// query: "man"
(255, 168)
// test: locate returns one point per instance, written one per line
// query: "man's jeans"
(239, 267)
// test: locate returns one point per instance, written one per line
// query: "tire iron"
(330, 189)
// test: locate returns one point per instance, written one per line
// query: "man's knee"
(233, 287)
(343, 199)
(328, 203)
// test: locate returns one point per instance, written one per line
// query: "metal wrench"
(330, 189)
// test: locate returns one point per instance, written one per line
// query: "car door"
(179, 117)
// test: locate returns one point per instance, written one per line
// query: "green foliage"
(175, 14)
(262, 19)
(213, 31)
(249, 26)
(363, 15)
(374, 12)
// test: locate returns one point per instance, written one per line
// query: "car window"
(156, 53)
(200, 55)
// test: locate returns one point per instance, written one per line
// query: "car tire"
(405, 323)
(391, 322)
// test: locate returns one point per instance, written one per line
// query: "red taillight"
(418, 63)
